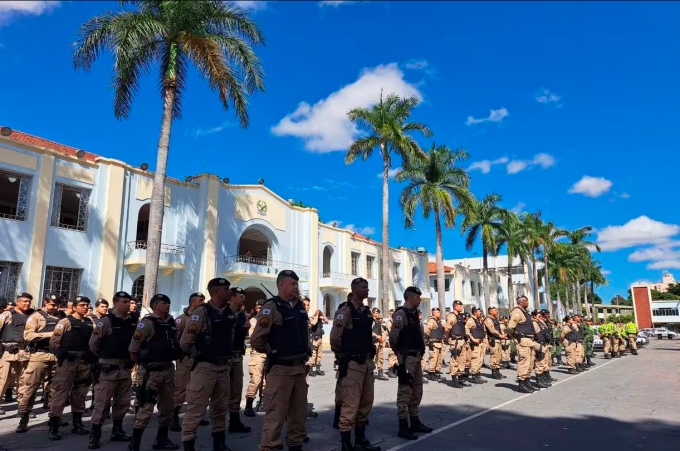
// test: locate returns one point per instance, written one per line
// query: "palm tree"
(217, 37)
(548, 235)
(483, 221)
(511, 235)
(386, 129)
(437, 185)
(532, 225)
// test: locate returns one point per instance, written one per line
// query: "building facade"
(650, 313)
(74, 223)
(603, 311)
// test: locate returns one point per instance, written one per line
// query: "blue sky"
(568, 108)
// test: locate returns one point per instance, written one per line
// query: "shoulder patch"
(398, 318)
(340, 316)
(140, 325)
(100, 324)
(192, 329)
(57, 331)
(178, 320)
(263, 322)
(266, 311)
(137, 335)
(194, 317)
(4, 316)
(338, 324)
(59, 326)
(397, 326)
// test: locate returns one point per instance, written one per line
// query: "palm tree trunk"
(386, 279)
(485, 277)
(559, 302)
(511, 294)
(585, 298)
(526, 277)
(157, 207)
(548, 299)
(537, 297)
(439, 258)
(577, 287)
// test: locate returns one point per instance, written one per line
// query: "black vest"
(571, 335)
(163, 346)
(116, 344)
(578, 333)
(43, 344)
(436, 334)
(496, 327)
(458, 330)
(358, 339)
(240, 333)
(77, 339)
(377, 328)
(14, 333)
(411, 337)
(217, 341)
(544, 337)
(292, 337)
(525, 329)
(478, 331)
(316, 331)
(582, 331)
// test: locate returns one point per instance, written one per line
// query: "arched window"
(414, 276)
(138, 288)
(327, 255)
(328, 305)
(254, 247)
(142, 234)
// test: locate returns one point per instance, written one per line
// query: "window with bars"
(479, 288)
(355, 263)
(397, 272)
(137, 291)
(447, 284)
(328, 305)
(9, 279)
(70, 207)
(370, 262)
(15, 191)
(472, 288)
(64, 282)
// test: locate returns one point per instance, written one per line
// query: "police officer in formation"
(241, 327)
(316, 322)
(256, 372)
(521, 329)
(455, 332)
(407, 341)
(15, 354)
(282, 333)
(352, 342)
(495, 336)
(154, 348)
(474, 331)
(434, 335)
(379, 341)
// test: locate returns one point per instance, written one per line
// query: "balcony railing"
(335, 279)
(257, 265)
(165, 248)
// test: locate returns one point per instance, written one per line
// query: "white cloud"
(664, 251)
(324, 126)
(665, 264)
(591, 186)
(494, 116)
(625, 196)
(391, 173)
(11, 9)
(199, 132)
(605, 272)
(336, 3)
(519, 208)
(544, 160)
(352, 228)
(485, 165)
(547, 97)
(636, 232)
(251, 5)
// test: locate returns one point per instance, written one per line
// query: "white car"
(642, 339)
(662, 332)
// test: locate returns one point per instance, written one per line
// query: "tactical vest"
(377, 328)
(436, 334)
(116, 344)
(292, 337)
(358, 339)
(579, 332)
(458, 330)
(526, 328)
(43, 345)
(496, 328)
(217, 341)
(571, 335)
(477, 331)
(631, 329)
(240, 333)
(163, 346)
(542, 337)
(316, 331)
(77, 339)
(411, 337)
(14, 333)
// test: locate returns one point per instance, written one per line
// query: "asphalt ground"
(632, 403)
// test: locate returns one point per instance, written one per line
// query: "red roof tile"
(31, 140)
(432, 268)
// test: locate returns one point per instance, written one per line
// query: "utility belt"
(412, 353)
(360, 358)
(40, 346)
(219, 361)
(14, 348)
(293, 362)
(521, 335)
(435, 341)
(458, 337)
(107, 368)
(158, 366)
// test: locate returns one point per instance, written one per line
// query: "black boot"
(136, 440)
(455, 382)
(319, 372)
(176, 426)
(235, 424)
(496, 374)
(219, 441)
(95, 436)
(552, 379)
(346, 441)
(361, 443)
(418, 426)
(8, 395)
(540, 382)
(405, 431)
(189, 445)
(336, 416)
(546, 379)
(621, 353)
(513, 358)
(53, 432)
(524, 388)
(583, 367)
(117, 432)
(78, 426)
(589, 361)
(23, 423)
(162, 440)
(467, 372)
(475, 379)
(634, 351)
(381, 377)
(573, 371)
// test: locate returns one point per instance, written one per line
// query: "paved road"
(625, 404)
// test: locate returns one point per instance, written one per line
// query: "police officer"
(494, 336)
(255, 368)
(455, 331)
(379, 339)
(549, 335)
(282, 332)
(209, 337)
(42, 362)
(316, 323)
(569, 342)
(352, 342)
(338, 384)
(434, 335)
(241, 327)
(154, 348)
(505, 344)
(110, 341)
(521, 329)
(542, 354)
(183, 364)
(69, 342)
(406, 338)
(580, 354)
(391, 357)
(474, 331)
(15, 355)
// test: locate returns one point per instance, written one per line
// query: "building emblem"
(262, 207)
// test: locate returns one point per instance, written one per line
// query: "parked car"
(648, 332)
(642, 339)
(662, 332)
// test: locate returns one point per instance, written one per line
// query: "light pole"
(406, 236)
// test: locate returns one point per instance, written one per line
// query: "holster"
(269, 363)
(455, 351)
(12, 348)
(343, 365)
(403, 376)
(492, 342)
(95, 369)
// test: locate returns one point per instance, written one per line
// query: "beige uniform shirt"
(517, 317)
(343, 320)
(35, 324)
(399, 321)
(196, 323)
(102, 328)
(144, 332)
(430, 324)
(565, 330)
(491, 328)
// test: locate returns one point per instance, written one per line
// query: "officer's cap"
(504, 317)
(196, 295)
(260, 301)
(304, 298)
(475, 309)
(51, 297)
(375, 310)
(218, 282)
(457, 303)
(287, 273)
(419, 312)
(237, 290)
(545, 312)
(122, 295)
(82, 300)
(25, 296)
(435, 309)
(160, 298)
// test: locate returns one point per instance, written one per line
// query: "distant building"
(603, 311)
(666, 281)
(650, 313)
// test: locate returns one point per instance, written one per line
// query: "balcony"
(331, 279)
(172, 256)
(245, 265)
